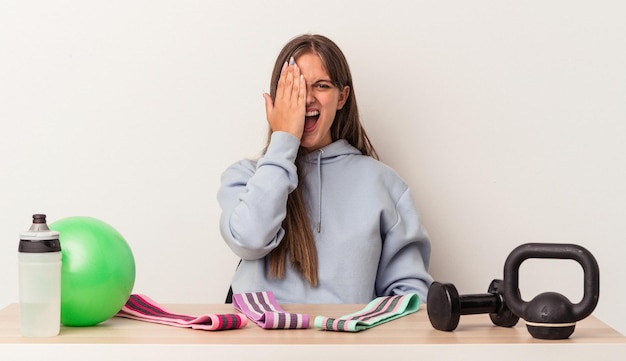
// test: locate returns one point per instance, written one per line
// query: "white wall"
(507, 119)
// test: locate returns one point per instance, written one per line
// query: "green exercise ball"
(97, 272)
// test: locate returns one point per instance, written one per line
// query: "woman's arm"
(405, 257)
(253, 198)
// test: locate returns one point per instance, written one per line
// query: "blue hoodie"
(366, 227)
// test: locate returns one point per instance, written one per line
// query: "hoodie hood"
(331, 152)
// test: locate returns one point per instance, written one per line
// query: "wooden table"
(411, 338)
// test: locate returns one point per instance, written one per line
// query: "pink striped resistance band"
(262, 309)
(377, 312)
(142, 308)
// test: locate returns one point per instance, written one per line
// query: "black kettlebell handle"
(552, 251)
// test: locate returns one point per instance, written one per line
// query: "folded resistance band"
(262, 309)
(141, 307)
(377, 312)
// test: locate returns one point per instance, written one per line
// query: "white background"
(506, 118)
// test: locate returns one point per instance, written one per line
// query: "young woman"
(317, 218)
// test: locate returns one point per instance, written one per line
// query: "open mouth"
(310, 120)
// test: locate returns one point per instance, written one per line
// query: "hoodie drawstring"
(319, 193)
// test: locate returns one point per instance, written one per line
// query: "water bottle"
(39, 263)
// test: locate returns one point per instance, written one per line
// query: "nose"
(310, 97)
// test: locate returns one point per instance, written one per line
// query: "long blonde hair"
(298, 241)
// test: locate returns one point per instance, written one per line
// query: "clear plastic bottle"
(39, 263)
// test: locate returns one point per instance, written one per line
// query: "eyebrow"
(322, 81)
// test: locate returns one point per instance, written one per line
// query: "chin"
(309, 145)
(312, 141)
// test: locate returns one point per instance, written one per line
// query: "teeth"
(313, 113)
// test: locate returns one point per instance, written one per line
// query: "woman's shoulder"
(245, 166)
(376, 166)
(373, 174)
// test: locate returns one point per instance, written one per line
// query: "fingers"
(282, 81)
(269, 105)
(302, 91)
(286, 111)
(290, 82)
(296, 86)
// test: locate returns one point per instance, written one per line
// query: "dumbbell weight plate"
(443, 306)
(503, 317)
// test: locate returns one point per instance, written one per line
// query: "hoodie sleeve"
(253, 198)
(405, 256)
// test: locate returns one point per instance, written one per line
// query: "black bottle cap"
(39, 218)
(39, 238)
(40, 246)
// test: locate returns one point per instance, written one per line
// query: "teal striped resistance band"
(377, 312)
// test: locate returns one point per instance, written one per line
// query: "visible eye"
(322, 86)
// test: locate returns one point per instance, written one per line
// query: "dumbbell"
(445, 306)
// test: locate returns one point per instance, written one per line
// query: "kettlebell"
(551, 315)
